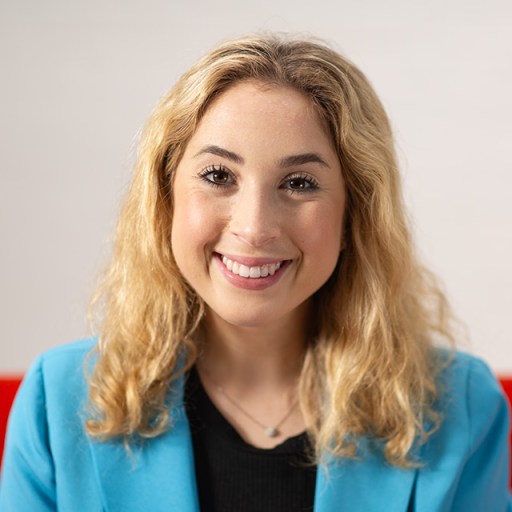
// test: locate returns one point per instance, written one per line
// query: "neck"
(267, 356)
(251, 375)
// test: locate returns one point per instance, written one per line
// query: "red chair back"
(8, 388)
(506, 384)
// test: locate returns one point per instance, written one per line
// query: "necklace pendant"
(271, 431)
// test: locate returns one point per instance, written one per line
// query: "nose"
(255, 218)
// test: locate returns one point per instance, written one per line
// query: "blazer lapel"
(369, 483)
(157, 474)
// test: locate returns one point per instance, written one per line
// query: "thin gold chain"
(270, 430)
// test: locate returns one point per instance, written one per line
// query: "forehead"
(248, 92)
(251, 111)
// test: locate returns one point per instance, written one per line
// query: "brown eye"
(300, 183)
(297, 184)
(217, 176)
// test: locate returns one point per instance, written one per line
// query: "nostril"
(256, 233)
(255, 220)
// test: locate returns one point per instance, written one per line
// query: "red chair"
(506, 384)
(9, 386)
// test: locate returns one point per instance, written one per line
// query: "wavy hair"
(370, 368)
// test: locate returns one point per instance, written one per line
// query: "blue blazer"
(51, 464)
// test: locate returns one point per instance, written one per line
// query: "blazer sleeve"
(484, 478)
(28, 477)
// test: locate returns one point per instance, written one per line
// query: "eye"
(217, 176)
(300, 183)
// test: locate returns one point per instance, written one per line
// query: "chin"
(246, 321)
(247, 316)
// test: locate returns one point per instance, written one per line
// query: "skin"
(260, 183)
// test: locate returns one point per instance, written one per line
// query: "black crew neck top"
(234, 476)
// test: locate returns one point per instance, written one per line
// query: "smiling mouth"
(257, 272)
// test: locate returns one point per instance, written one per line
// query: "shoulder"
(56, 382)
(468, 388)
(46, 440)
(65, 357)
(54, 394)
(64, 360)
(466, 461)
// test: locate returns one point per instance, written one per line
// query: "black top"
(234, 476)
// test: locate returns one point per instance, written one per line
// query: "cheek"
(321, 233)
(194, 225)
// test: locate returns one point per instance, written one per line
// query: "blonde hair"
(370, 368)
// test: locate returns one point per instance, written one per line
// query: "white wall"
(79, 78)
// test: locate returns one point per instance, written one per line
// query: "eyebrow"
(304, 158)
(287, 161)
(218, 151)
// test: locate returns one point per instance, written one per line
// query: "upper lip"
(251, 261)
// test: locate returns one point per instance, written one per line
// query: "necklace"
(270, 430)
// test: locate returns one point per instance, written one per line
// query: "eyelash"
(311, 183)
(208, 172)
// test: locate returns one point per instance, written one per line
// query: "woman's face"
(258, 205)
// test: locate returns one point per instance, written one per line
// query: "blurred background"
(78, 80)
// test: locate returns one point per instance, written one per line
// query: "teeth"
(255, 272)
(251, 272)
(228, 263)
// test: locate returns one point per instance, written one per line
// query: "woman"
(269, 337)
